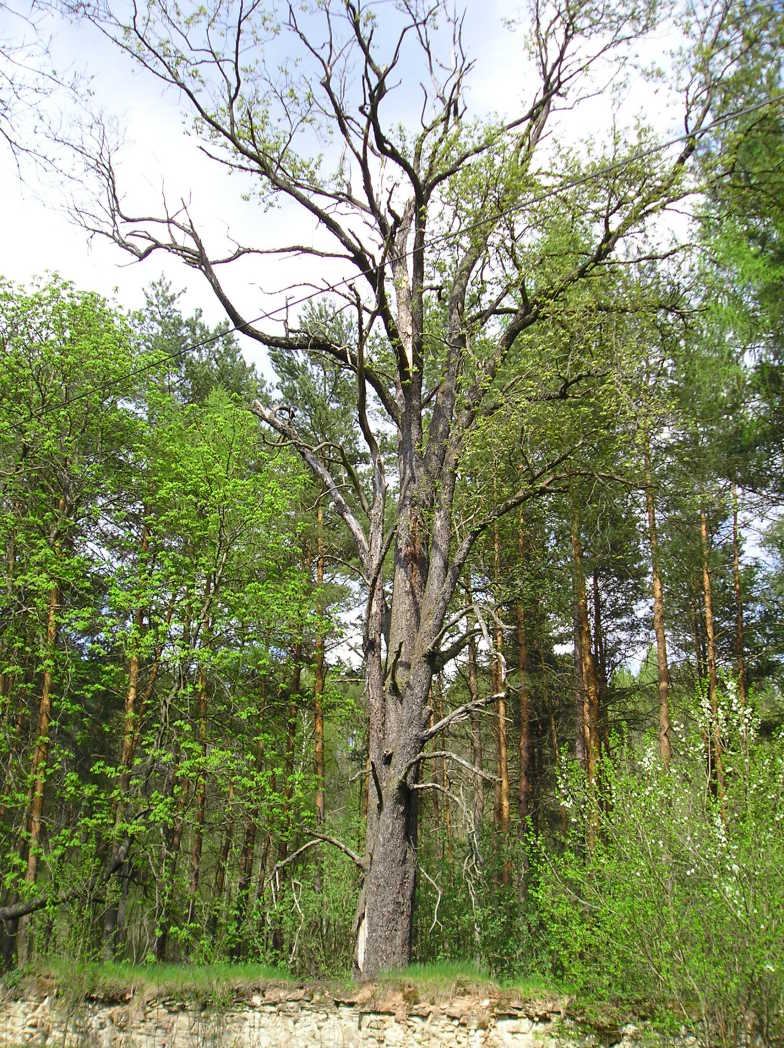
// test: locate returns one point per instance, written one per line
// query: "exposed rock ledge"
(290, 1017)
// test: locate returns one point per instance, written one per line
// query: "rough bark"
(663, 672)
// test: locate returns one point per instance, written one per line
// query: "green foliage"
(679, 905)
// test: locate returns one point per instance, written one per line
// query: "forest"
(456, 631)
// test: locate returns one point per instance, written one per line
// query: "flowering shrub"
(679, 906)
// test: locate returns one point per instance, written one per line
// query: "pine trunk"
(589, 679)
(663, 672)
(715, 749)
(739, 653)
(476, 741)
(318, 682)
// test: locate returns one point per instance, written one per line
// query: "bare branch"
(461, 713)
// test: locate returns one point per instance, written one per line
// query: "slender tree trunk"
(665, 747)
(244, 882)
(152, 676)
(5, 678)
(435, 775)
(441, 777)
(503, 807)
(219, 884)
(580, 699)
(589, 679)
(318, 682)
(130, 729)
(201, 796)
(697, 625)
(250, 833)
(476, 742)
(38, 769)
(291, 739)
(739, 655)
(716, 769)
(524, 794)
(171, 851)
(599, 647)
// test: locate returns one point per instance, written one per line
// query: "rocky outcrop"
(287, 1017)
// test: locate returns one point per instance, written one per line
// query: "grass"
(180, 980)
(214, 982)
(444, 976)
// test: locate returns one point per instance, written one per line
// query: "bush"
(679, 907)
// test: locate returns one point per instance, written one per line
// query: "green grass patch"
(180, 980)
(218, 983)
(443, 976)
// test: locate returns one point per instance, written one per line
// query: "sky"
(159, 156)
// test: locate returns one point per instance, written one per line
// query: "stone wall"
(287, 1017)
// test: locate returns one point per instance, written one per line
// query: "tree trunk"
(250, 832)
(716, 759)
(398, 718)
(130, 728)
(665, 747)
(589, 678)
(599, 650)
(170, 855)
(38, 769)
(201, 796)
(292, 695)
(318, 682)
(476, 743)
(222, 864)
(739, 655)
(244, 882)
(503, 806)
(442, 778)
(580, 700)
(5, 678)
(524, 794)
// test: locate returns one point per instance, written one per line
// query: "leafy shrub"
(679, 906)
